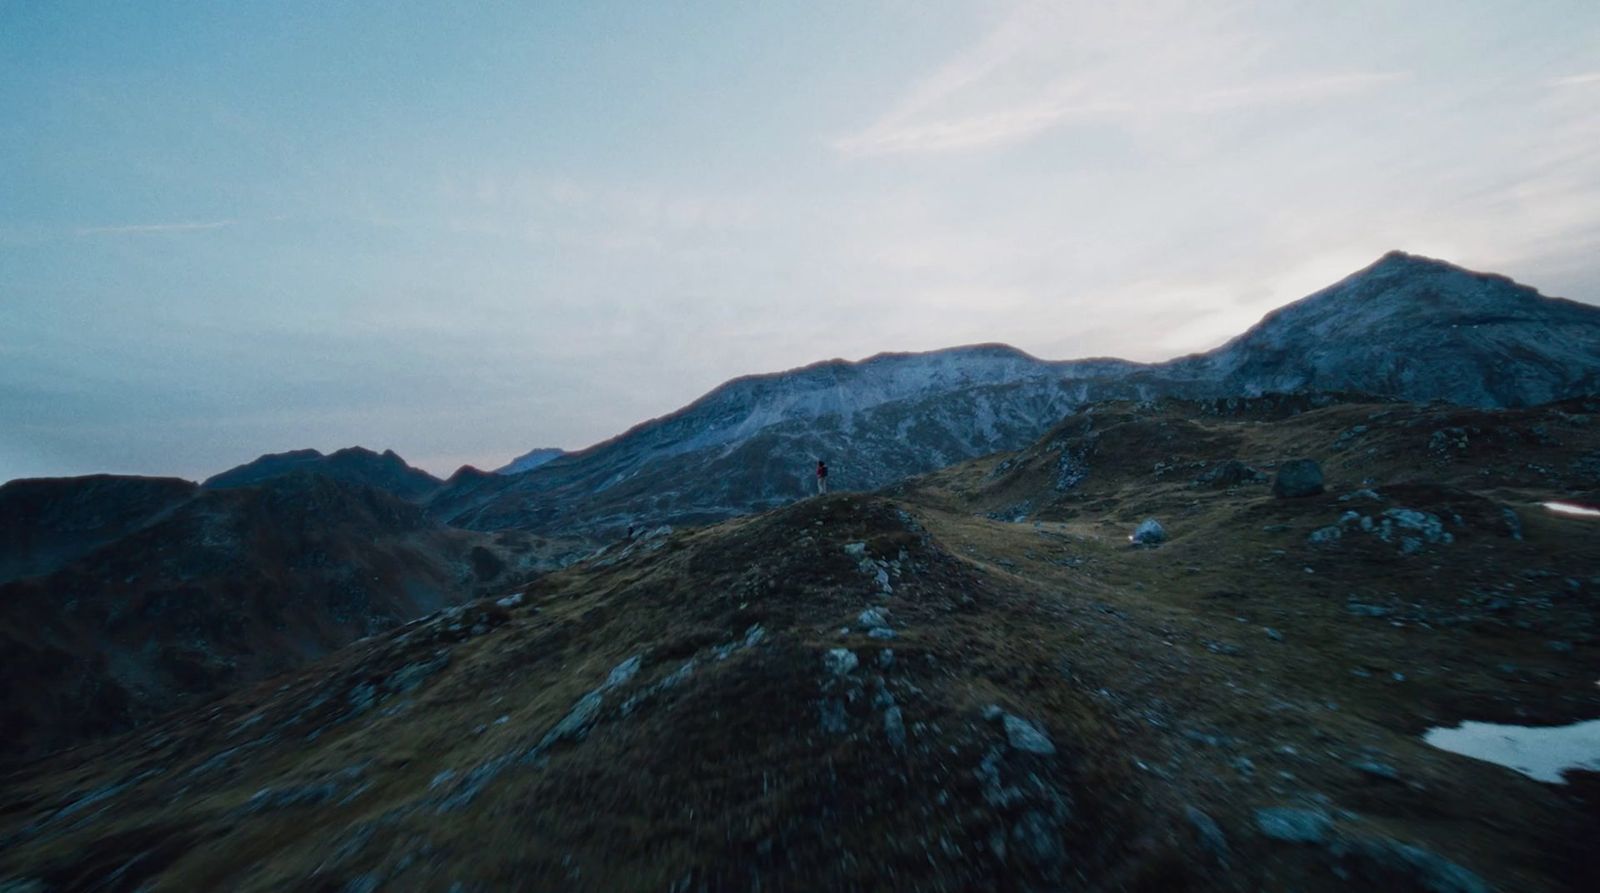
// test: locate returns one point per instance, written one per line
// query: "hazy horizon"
(461, 236)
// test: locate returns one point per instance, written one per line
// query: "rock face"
(385, 471)
(1405, 327)
(1297, 478)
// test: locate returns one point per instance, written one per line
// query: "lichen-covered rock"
(1298, 478)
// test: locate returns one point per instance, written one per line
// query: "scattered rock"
(1297, 478)
(1035, 839)
(1363, 494)
(1387, 861)
(1231, 473)
(1324, 536)
(839, 661)
(1024, 735)
(859, 550)
(1211, 836)
(1148, 533)
(831, 716)
(1413, 529)
(1293, 825)
(1376, 769)
(894, 727)
(1364, 610)
(510, 601)
(1513, 523)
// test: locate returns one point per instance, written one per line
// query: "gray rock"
(1211, 836)
(1513, 523)
(872, 618)
(831, 716)
(1363, 494)
(1386, 861)
(894, 727)
(510, 601)
(1036, 838)
(1415, 526)
(1361, 610)
(859, 550)
(1325, 536)
(1231, 473)
(1376, 769)
(1024, 735)
(839, 661)
(882, 632)
(1294, 825)
(1297, 478)
(1148, 533)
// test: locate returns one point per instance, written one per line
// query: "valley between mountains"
(338, 673)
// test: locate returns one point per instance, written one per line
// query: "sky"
(462, 231)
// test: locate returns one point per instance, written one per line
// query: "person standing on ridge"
(822, 477)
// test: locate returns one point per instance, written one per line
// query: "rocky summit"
(966, 680)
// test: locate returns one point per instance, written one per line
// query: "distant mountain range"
(1406, 327)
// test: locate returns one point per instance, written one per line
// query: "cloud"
(134, 229)
(1587, 79)
(987, 130)
(1292, 91)
(1044, 66)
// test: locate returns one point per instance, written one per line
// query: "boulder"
(1297, 478)
(1148, 533)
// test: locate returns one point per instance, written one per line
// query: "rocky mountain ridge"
(357, 465)
(1407, 327)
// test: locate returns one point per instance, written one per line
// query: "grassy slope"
(1151, 670)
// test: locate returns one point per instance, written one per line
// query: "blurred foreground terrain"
(968, 680)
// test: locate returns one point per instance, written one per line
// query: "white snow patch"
(1571, 508)
(1539, 752)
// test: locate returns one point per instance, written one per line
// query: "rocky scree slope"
(899, 691)
(1406, 326)
(154, 592)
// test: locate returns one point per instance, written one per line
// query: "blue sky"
(464, 230)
